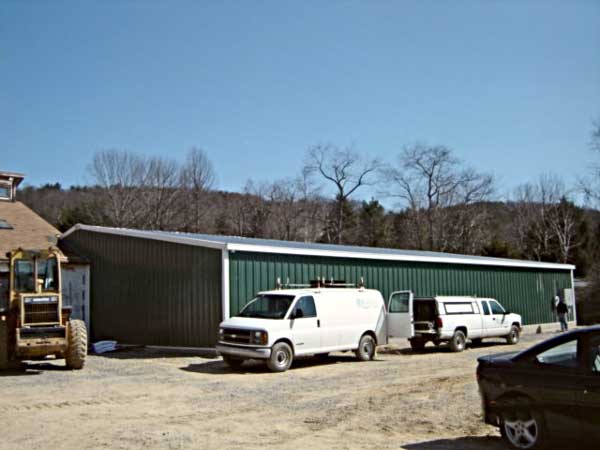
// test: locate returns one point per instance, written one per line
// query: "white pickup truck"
(450, 319)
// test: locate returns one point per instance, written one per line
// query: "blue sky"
(511, 86)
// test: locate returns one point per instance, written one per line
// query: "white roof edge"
(396, 257)
(145, 234)
(183, 239)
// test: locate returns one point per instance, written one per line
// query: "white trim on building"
(296, 248)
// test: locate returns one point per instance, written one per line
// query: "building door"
(76, 291)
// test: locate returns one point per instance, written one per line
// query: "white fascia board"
(181, 239)
(391, 257)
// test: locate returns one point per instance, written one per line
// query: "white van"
(281, 324)
(450, 319)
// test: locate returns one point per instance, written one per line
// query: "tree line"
(442, 204)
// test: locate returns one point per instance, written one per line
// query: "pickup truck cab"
(281, 324)
(452, 320)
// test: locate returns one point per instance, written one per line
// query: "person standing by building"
(563, 314)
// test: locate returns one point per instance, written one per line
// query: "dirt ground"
(150, 399)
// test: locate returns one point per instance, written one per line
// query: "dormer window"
(5, 191)
(9, 181)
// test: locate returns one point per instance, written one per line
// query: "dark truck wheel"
(457, 343)
(417, 344)
(523, 429)
(3, 345)
(233, 363)
(77, 344)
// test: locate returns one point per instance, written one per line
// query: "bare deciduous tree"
(545, 221)
(197, 178)
(120, 174)
(346, 170)
(160, 194)
(589, 184)
(431, 185)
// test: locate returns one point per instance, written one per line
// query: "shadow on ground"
(463, 443)
(150, 353)
(489, 443)
(254, 366)
(34, 368)
(431, 348)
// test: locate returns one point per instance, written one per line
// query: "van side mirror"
(297, 314)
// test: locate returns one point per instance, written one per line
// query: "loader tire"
(77, 344)
(3, 345)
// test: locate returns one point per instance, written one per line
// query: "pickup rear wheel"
(281, 357)
(457, 343)
(417, 344)
(366, 348)
(513, 337)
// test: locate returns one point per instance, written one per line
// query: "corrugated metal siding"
(525, 291)
(151, 292)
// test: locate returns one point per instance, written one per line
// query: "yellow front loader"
(33, 322)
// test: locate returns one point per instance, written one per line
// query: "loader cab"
(35, 287)
(35, 272)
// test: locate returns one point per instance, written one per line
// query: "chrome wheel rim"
(282, 358)
(522, 433)
(459, 342)
(367, 347)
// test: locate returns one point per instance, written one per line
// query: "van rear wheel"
(366, 348)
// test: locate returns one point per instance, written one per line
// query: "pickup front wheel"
(457, 343)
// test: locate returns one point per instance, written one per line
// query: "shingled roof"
(27, 229)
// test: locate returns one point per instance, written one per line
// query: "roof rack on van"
(319, 283)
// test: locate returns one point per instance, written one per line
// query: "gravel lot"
(150, 399)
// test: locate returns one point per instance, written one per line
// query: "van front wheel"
(366, 348)
(281, 357)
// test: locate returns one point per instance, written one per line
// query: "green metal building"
(173, 289)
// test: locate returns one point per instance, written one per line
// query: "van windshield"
(269, 306)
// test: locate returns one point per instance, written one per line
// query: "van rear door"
(400, 314)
